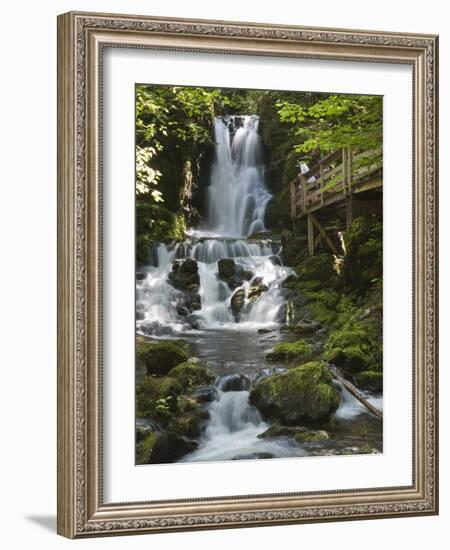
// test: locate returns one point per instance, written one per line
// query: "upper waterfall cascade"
(237, 198)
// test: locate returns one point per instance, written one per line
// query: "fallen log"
(351, 389)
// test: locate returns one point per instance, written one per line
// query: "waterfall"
(237, 196)
(233, 428)
(236, 201)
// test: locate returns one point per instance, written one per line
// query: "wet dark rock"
(290, 281)
(169, 447)
(306, 327)
(265, 330)
(227, 268)
(275, 260)
(235, 382)
(184, 275)
(141, 276)
(205, 394)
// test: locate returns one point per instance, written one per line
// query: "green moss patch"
(290, 351)
(160, 357)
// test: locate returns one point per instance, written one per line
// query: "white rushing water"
(237, 195)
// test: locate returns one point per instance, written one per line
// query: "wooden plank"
(322, 231)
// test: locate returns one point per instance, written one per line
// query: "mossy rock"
(188, 418)
(371, 380)
(317, 272)
(311, 436)
(299, 394)
(352, 347)
(298, 433)
(294, 251)
(290, 351)
(163, 447)
(157, 397)
(160, 357)
(191, 374)
(144, 448)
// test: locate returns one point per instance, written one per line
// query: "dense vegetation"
(333, 301)
(175, 148)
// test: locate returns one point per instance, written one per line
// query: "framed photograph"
(247, 287)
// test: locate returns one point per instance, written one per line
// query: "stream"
(232, 340)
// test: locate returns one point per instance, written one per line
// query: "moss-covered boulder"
(160, 357)
(226, 270)
(317, 272)
(163, 447)
(188, 418)
(353, 346)
(290, 351)
(156, 398)
(190, 374)
(299, 394)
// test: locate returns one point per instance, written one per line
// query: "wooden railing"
(333, 178)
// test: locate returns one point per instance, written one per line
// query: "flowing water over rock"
(217, 289)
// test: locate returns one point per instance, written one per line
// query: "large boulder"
(164, 447)
(184, 275)
(254, 292)
(301, 394)
(160, 357)
(232, 273)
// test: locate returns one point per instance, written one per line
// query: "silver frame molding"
(81, 38)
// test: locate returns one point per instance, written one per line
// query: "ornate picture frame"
(82, 38)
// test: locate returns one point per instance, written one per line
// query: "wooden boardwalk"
(335, 180)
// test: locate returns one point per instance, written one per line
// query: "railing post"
(293, 191)
(350, 168)
(303, 192)
(321, 182)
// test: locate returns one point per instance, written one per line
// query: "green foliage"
(362, 268)
(156, 397)
(335, 122)
(191, 374)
